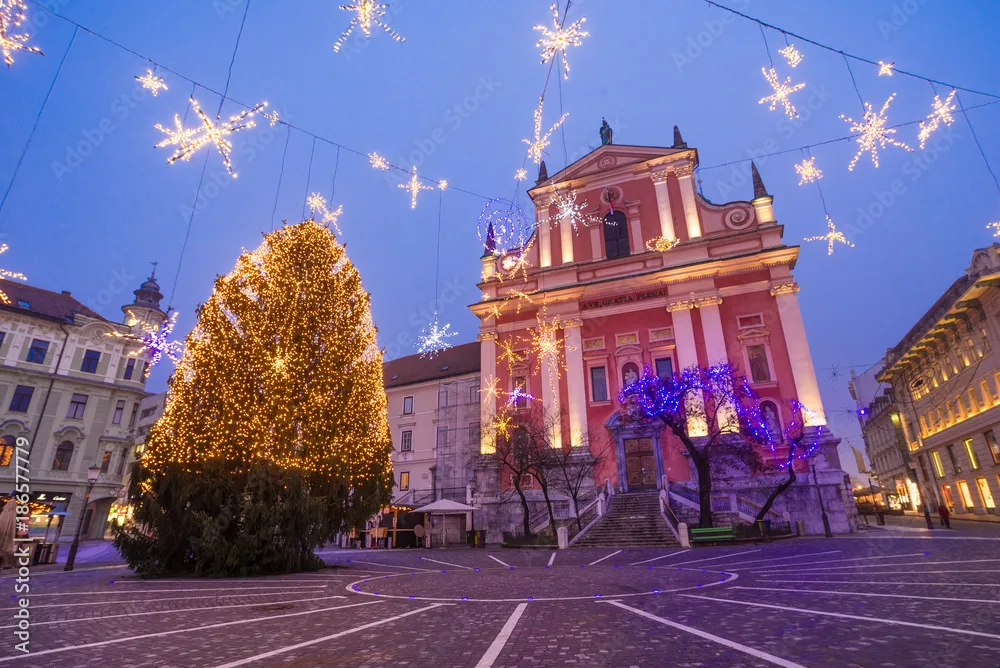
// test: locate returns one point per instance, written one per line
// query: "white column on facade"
(803, 372)
(685, 177)
(575, 382)
(715, 348)
(487, 397)
(635, 226)
(663, 204)
(551, 410)
(544, 234)
(597, 253)
(566, 236)
(687, 356)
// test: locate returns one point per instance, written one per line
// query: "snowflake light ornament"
(152, 83)
(571, 212)
(367, 14)
(792, 55)
(940, 114)
(8, 274)
(885, 69)
(781, 92)
(808, 171)
(318, 205)
(189, 140)
(559, 38)
(518, 396)
(378, 162)
(521, 175)
(432, 339)
(414, 186)
(537, 146)
(874, 135)
(832, 236)
(156, 341)
(12, 14)
(994, 226)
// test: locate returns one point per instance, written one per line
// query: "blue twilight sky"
(94, 203)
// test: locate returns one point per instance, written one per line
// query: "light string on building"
(9, 275)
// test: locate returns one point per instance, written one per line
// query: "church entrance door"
(640, 464)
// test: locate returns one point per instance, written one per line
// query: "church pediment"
(611, 158)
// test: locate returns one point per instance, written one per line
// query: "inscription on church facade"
(630, 298)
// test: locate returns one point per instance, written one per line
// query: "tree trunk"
(548, 505)
(775, 494)
(524, 508)
(704, 490)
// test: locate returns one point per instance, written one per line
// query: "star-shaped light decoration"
(544, 344)
(781, 92)
(367, 14)
(559, 38)
(994, 226)
(318, 205)
(661, 244)
(152, 83)
(537, 146)
(792, 55)
(414, 186)
(521, 175)
(940, 114)
(808, 171)
(442, 184)
(832, 236)
(8, 274)
(503, 424)
(518, 394)
(12, 14)
(273, 117)
(156, 341)
(378, 162)
(515, 263)
(189, 140)
(571, 212)
(432, 340)
(874, 135)
(492, 390)
(885, 69)
(507, 353)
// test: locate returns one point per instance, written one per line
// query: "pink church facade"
(721, 290)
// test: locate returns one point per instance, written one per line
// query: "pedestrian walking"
(8, 528)
(945, 516)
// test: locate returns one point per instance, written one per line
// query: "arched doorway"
(638, 455)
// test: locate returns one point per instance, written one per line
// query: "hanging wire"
(989, 168)
(281, 174)
(562, 128)
(766, 47)
(336, 168)
(855, 82)
(312, 154)
(437, 265)
(38, 118)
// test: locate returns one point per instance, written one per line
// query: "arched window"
(630, 374)
(64, 453)
(769, 413)
(616, 234)
(7, 445)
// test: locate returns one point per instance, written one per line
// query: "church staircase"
(632, 520)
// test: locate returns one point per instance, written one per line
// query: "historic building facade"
(945, 376)
(72, 383)
(719, 288)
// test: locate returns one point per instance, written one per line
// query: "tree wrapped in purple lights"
(714, 413)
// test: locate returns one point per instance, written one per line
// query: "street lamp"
(93, 473)
(822, 508)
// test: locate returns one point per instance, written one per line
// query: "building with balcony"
(72, 383)
(945, 375)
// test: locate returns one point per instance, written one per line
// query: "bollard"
(562, 535)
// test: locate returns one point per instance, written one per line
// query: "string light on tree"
(537, 146)
(885, 69)
(433, 339)
(9, 275)
(874, 134)
(367, 14)
(832, 236)
(662, 244)
(781, 92)
(378, 162)
(152, 83)
(414, 186)
(792, 55)
(808, 171)
(12, 14)
(559, 38)
(318, 205)
(189, 140)
(940, 114)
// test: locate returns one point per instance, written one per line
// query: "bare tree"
(513, 456)
(573, 468)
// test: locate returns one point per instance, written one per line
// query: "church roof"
(29, 300)
(456, 361)
(612, 156)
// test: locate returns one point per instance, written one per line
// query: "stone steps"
(633, 520)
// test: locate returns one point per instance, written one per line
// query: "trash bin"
(481, 538)
(41, 555)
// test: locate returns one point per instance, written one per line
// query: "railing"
(676, 527)
(751, 508)
(589, 516)
(721, 504)
(678, 489)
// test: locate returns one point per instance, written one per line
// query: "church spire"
(543, 173)
(491, 242)
(758, 184)
(678, 140)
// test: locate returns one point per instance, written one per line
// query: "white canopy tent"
(444, 507)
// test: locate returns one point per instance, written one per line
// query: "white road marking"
(721, 556)
(869, 584)
(795, 556)
(158, 600)
(78, 570)
(189, 629)
(874, 569)
(405, 568)
(445, 563)
(857, 593)
(498, 561)
(501, 640)
(835, 561)
(839, 615)
(165, 612)
(880, 574)
(935, 535)
(552, 558)
(173, 591)
(664, 556)
(603, 558)
(332, 636)
(778, 661)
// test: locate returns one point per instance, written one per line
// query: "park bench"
(712, 535)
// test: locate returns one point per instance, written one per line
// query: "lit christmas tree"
(275, 435)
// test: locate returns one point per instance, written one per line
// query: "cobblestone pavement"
(884, 598)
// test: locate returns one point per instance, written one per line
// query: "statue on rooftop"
(606, 133)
